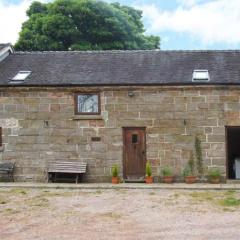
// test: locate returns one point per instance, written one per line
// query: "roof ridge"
(126, 51)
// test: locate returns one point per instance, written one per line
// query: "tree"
(83, 25)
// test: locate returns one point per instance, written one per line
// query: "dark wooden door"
(134, 152)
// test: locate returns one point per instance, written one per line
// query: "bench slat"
(67, 167)
(65, 171)
(76, 169)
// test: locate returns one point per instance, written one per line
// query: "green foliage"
(214, 173)
(115, 171)
(187, 171)
(230, 202)
(148, 169)
(83, 25)
(191, 163)
(198, 152)
(167, 171)
(190, 167)
(36, 7)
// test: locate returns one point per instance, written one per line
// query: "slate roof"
(120, 67)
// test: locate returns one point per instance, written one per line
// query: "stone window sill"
(1, 148)
(87, 117)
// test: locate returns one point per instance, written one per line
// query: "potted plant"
(115, 178)
(188, 171)
(214, 175)
(167, 175)
(149, 178)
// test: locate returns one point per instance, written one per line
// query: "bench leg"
(10, 176)
(77, 177)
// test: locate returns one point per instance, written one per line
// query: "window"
(201, 76)
(20, 77)
(0, 137)
(87, 103)
(134, 138)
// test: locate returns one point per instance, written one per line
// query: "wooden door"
(134, 152)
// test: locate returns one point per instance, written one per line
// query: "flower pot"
(168, 179)
(149, 179)
(115, 180)
(214, 180)
(190, 179)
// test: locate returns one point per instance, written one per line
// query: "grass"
(152, 193)
(226, 200)
(230, 192)
(18, 191)
(37, 202)
(172, 199)
(3, 201)
(203, 196)
(10, 211)
(49, 194)
(112, 215)
(230, 202)
(219, 200)
(98, 192)
(176, 195)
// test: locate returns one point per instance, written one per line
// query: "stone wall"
(39, 126)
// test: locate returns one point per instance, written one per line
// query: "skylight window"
(21, 76)
(201, 76)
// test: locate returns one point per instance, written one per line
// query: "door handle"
(143, 152)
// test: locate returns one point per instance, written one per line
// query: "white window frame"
(20, 76)
(196, 78)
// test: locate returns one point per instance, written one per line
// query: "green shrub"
(214, 173)
(187, 171)
(167, 171)
(115, 171)
(148, 169)
(198, 151)
(191, 163)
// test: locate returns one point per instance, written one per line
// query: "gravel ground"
(119, 214)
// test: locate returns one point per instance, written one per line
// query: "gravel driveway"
(119, 214)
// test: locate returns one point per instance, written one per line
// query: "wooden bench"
(7, 168)
(72, 167)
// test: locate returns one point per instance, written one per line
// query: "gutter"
(119, 85)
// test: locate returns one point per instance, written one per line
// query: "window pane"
(134, 138)
(87, 103)
(201, 75)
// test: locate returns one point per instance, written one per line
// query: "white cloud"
(211, 22)
(187, 3)
(11, 19)
(190, 3)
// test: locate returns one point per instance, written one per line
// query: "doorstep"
(233, 181)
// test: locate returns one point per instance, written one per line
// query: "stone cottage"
(118, 107)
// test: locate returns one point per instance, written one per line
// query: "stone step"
(233, 181)
(132, 180)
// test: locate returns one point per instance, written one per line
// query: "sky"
(181, 24)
